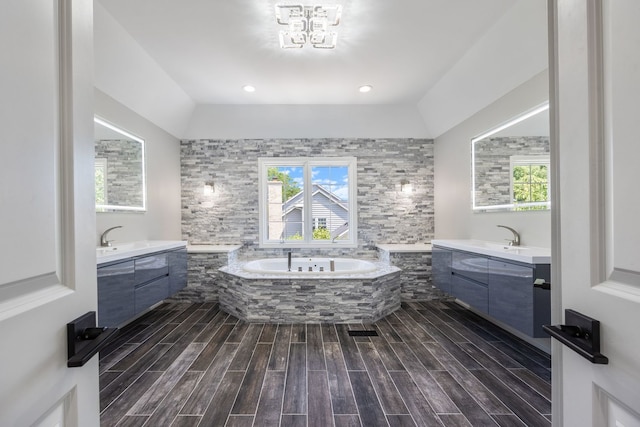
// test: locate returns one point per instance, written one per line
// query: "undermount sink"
(528, 254)
(130, 249)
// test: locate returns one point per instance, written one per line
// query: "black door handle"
(581, 334)
(84, 339)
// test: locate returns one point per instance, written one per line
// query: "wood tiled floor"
(433, 364)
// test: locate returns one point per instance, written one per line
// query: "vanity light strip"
(115, 129)
(517, 120)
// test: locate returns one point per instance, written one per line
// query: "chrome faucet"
(289, 261)
(516, 236)
(103, 237)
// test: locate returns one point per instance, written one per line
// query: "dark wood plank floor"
(432, 364)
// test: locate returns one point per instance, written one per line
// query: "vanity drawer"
(150, 293)
(472, 266)
(473, 293)
(151, 267)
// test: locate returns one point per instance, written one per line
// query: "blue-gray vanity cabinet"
(441, 268)
(129, 287)
(514, 300)
(471, 292)
(502, 289)
(177, 270)
(115, 293)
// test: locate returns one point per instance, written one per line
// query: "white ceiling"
(211, 48)
(170, 60)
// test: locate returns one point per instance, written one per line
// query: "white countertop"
(405, 247)
(526, 254)
(142, 247)
(211, 249)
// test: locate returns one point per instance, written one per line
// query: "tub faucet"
(103, 237)
(289, 261)
(516, 236)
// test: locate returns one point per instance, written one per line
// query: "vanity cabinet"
(129, 287)
(116, 284)
(503, 289)
(441, 268)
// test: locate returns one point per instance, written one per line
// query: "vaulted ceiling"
(203, 52)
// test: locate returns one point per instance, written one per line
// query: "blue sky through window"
(333, 178)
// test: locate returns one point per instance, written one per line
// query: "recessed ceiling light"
(365, 88)
(248, 88)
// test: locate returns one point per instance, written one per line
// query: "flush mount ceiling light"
(248, 88)
(308, 24)
(365, 88)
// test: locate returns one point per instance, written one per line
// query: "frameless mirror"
(510, 164)
(119, 169)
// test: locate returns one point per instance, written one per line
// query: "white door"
(598, 230)
(47, 221)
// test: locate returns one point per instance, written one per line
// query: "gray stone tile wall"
(124, 166)
(417, 284)
(202, 277)
(230, 216)
(493, 167)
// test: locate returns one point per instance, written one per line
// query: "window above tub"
(307, 202)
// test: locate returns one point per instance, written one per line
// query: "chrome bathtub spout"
(103, 237)
(516, 236)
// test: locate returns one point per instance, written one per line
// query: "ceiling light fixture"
(308, 24)
(248, 88)
(365, 88)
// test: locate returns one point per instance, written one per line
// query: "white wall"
(509, 53)
(161, 221)
(125, 71)
(305, 121)
(454, 218)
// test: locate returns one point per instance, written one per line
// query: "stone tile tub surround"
(230, 215)
(203, 275)
(310, 298)
(415, 262)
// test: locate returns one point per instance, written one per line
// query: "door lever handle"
(581, 334)
(85, 339)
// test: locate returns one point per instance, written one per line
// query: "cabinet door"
(471, 266)
(115, 293)
(177, 270)
(473, 293)
(511, 295)
(441, 268)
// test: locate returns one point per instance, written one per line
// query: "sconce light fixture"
(209, 188)
(405, 186)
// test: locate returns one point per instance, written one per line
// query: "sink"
(527, 254)
(500, 247)
(137, 248)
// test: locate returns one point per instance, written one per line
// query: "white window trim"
(307, 162)
(527, 161)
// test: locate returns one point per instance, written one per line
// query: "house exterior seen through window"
(307, 202)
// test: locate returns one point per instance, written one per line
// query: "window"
(530, 182)
(307, 202)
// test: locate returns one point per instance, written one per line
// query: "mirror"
(119, 169)
(510, 164)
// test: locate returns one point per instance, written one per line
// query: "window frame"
(307, 163)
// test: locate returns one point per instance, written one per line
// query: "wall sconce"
(209, 188)
(405, 186)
